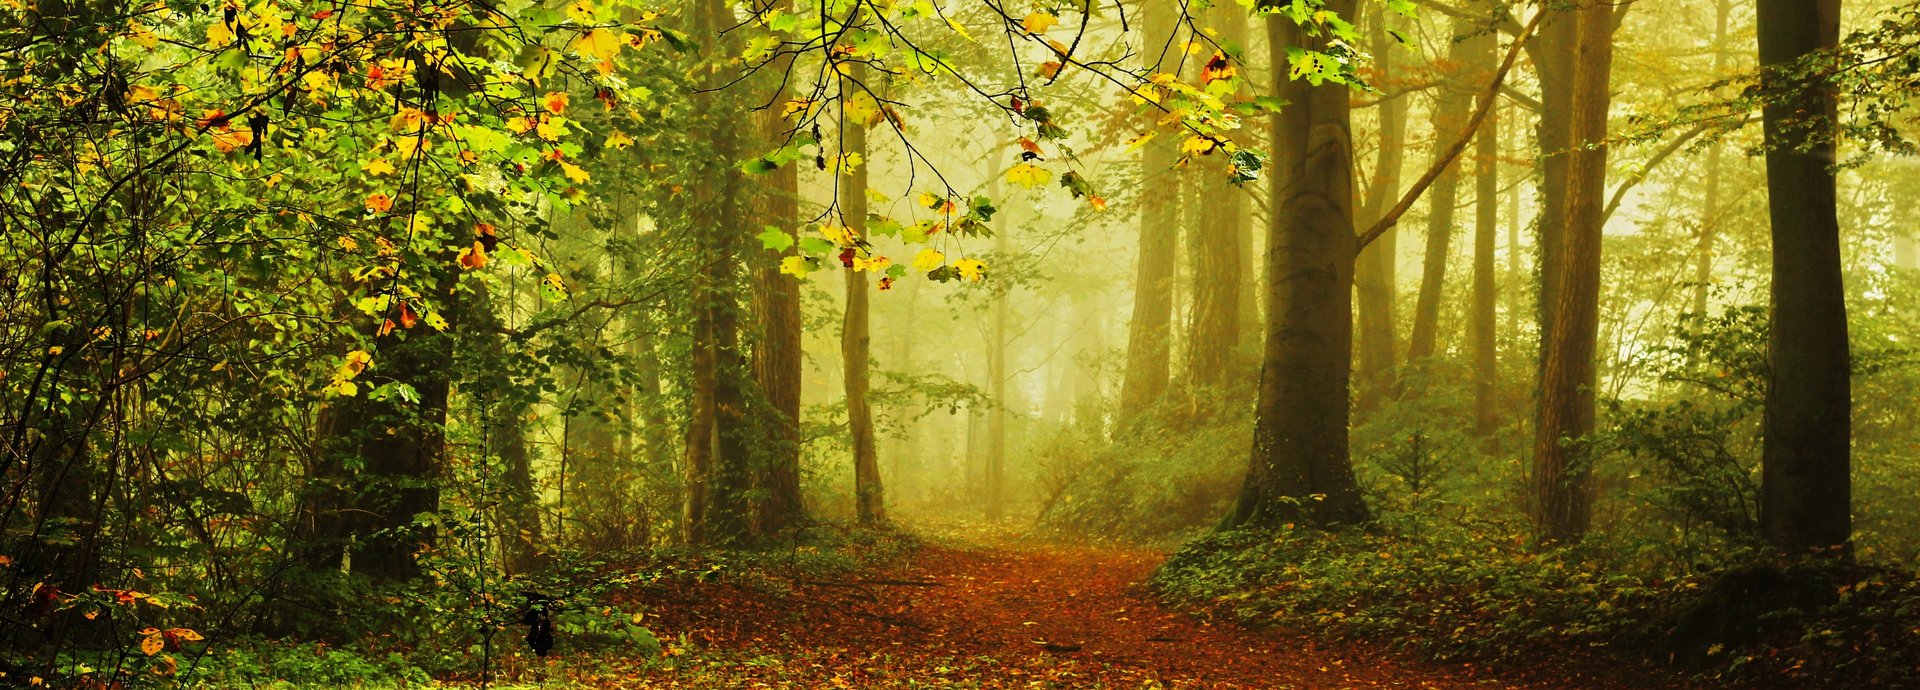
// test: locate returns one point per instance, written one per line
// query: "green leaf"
(776, 239)
(816, 245)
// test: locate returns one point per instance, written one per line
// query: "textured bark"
(1374, 279)
(1561, 470)
(1449, 119)
(778, 352)
(1299, 469)
(1149, 333)
(1552, 54)
(855, 341)
(1806, 490)
(1215, 249)
(1483, 51)
(715, 507)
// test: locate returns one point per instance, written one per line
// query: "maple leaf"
(619, 141)
(797, 266)
(473, 257)
(574, 172)
(973, 270)
(379, 202)
(1039, 22)
(602, 45)
(1029, 175)
(928, 259)
(377, 167)
(555, 102)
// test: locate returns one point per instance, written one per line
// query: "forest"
(959, 343)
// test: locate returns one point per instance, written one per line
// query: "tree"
(1484, 52)
(1561, 466)
(1375, 280)
(778, 350)
(1805, 479)
(1449, 120)
(1214, 250)
(855, 341)
(1151, 329)
(1299, 469)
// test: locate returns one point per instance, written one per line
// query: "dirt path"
(979, 618)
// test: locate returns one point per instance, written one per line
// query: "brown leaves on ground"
(969, 618)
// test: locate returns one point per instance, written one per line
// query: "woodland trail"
(973, 617)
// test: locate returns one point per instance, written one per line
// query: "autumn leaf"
(1039, 22)
(555, 102)
(574, 172)
(797, 266)
(379, 202)
(1029, 175)
(619, 141)
(473, 257)
(973, 270)
(377, 167)
(150, 641)
(928, 259)
(602, 45)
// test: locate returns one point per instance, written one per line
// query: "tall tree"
(1483, 51)
(856, 342)
(1710, 203)
(1149, 333)
(1561, 466)
(1805, 483)
(1300, 469)
(1449, 120)
(1375, 270)
(1214, 249)
(717, 481)
(778, 350)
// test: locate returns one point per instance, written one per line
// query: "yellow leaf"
(379, 203)
(551, 128)
(152, 644)
(519, 125)
(619, 140)
(971, 269)
(1139, 141)
(1039, 22)
(1197, 146)
(555, 102)
(796, 266)
(574, 172)
(876, 264)
(860, 109)
(847, 164)
(601, 44)
(1029, 175)
(928, 259)
(377, 167)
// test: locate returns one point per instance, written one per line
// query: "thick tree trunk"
(717, 479)
(1149, 333)
(1485, 54)
(778, 351)
(1806, 489)
(1449, 119)
(1552, 53)
(1375, 274)
(855, 341)
(1299, 469)
(1561, 468)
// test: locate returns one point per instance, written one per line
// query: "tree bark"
(1299, 469)
(778, 351)
(1449, 119)
(1806, 490)
(1483, 50)
(1562, 465)
(1375, 268)
(1710, 203)
(1149, 333)
(855, 341)
(1215, 252)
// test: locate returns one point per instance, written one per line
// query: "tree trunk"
(1375, 281)
(1215, 252)
(855, 342)
(778, 352)
(996, 466)
(1806, 491)
(1562, 468)
(1449, 119)
(1710, 203)
(1152, 326)
(1552, 53)
(1485, 53)
(1299, 469)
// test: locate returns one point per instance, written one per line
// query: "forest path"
(1011, 616)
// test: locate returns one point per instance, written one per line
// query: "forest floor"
(1007, 615)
